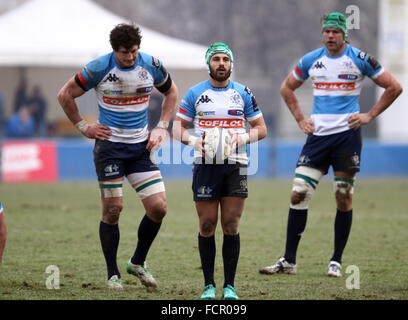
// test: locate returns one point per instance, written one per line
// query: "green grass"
(58, 224)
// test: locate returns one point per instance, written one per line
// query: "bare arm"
(257, 132)
(392, 90)
(287, 90)
(158, 134)
(181, 134)
(66, 97)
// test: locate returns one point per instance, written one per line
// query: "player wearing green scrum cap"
(335, 34)
(335, 20)
(219, 47)
(219, 185)
(334, 137)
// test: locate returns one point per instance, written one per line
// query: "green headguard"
(218, 47)
(335, 20)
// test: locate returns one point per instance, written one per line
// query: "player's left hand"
(156, 138)
(236, 140)
(357, 120)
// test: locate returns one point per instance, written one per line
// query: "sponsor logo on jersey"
(318, 77)
(348, 76)
(362, 55)
(225, 123)
(107, 91)
(205, 113)
(125, 101)
(335, 85)
(155, 62)
(144, 90)
(235, 112)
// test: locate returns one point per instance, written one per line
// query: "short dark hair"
(126, 35)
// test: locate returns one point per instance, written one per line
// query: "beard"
(220, 78)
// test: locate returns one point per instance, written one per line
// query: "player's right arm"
(180, 133)
(287, 90)
(66, 97)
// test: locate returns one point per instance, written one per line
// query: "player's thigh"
(346, 157)
(150, 188)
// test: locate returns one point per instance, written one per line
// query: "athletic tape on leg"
(150, 187)
(111, 189)
(343, 185)
(305, 182)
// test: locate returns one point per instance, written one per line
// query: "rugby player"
(218, 183)
(337, 71)
(123, 81)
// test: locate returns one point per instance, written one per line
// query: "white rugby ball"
(217, 143)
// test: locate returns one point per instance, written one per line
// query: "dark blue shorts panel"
(341, 150)
(114, 160)
(212, 182)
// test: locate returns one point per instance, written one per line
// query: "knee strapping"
(343, 186)
(304, 184)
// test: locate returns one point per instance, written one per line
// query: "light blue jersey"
(1, 208)
(229, 107)
(337, 85)
(123, 94)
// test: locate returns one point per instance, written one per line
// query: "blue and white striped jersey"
(123, 94)
(1, 208)
(337, 85)
(229, 107)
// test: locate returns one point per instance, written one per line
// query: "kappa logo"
(111, 78)
(204, 99)
(319, 65)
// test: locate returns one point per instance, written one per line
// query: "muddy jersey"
(229, 107)
(337, 84)
(123, 94)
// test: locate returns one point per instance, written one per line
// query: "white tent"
(73, 32)
(52, 40)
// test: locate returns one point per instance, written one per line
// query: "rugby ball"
(217, 143)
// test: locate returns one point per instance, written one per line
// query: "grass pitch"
(57, 224)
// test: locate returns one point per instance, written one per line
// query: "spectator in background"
(21, 95)
(20, 125)
(38, 107)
